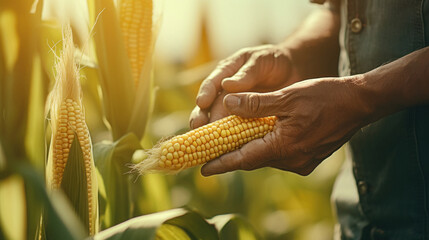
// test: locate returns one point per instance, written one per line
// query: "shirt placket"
(355, 25)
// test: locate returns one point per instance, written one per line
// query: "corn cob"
(205, 143)
(68, 125)
(70, 120)
(136, 26)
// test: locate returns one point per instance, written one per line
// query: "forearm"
(395, 86)
(314, 47)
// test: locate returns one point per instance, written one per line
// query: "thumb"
(254, 104)
(243, 80)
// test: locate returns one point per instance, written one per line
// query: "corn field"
(83, 106)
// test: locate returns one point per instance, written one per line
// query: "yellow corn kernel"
(211, 141)
(136, 26)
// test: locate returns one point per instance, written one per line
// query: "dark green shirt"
(383, 190)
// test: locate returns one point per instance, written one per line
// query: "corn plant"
(22, 188)
(124, 57)
(124, 39)
(54, 184)
(70, 164)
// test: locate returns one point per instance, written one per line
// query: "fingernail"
(232, 101)
(191, 123)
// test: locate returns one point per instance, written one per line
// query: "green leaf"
(17, 83)
(144, 102)
(74, 183)
(12, 207)
(167, 231)
(2, 78)
(115, 72)
(61, 215)
(2, 236)
(112, 161)
(195, 226)
(18, 79)
(34, 210)
(170, 224)
(102, 199)
(90, 87)
(151, 193)
(138, 227)
(2, 160)
(35, 133)
(232, 226)
(59, 220)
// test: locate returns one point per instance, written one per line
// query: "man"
(379, 104)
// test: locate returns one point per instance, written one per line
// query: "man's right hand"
(315, 118)
(259, 69)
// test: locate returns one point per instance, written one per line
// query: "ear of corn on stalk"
(70, 164)
(204, 143)
(136, 26)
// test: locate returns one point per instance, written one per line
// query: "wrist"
(397, 85)
(377, 97)
(365, 98)
(315, 50)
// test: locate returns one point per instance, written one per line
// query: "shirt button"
(356, 25)
(363, 187)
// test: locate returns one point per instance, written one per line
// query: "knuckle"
(233, 59)
(243, 162)
(225, 162)
(253, 103)
(279, 100)
(258, 56)
(227, 68)
(224, 62)
(303, 149)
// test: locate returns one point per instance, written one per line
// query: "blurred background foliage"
(193, 36)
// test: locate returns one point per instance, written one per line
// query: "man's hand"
(316, 117)
(310, 52)
(258, 69)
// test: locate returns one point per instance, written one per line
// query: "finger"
(304, 170)
(243, 80)
(254, 104)
(211, 86)
(255, 154)
(198, 118)
(218, 111)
